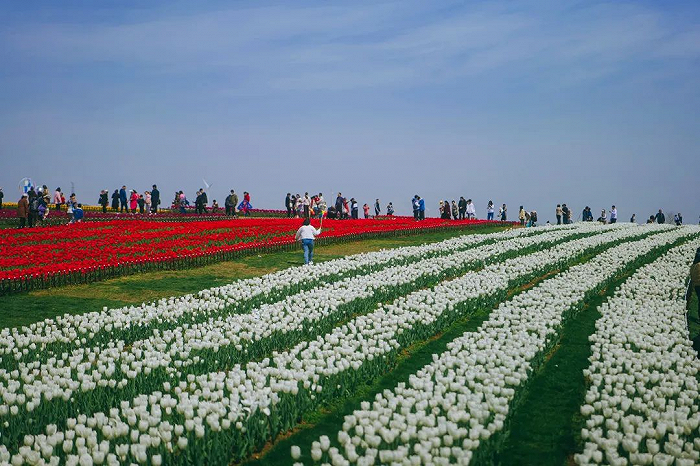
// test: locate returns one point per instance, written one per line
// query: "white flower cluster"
(69, 329)
(56, 376)
(643, 404)
(456, 403)
(231, 403)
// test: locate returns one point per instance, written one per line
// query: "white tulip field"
(217, 376)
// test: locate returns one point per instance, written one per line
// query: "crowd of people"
(37, 202)
(315, 206)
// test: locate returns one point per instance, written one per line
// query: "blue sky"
(534, 103)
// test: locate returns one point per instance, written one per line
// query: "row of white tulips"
(449, 410)
(69, 328)
(244, 406)
(643, 404)
(225, 341)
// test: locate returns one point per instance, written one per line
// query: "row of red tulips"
(86, 252)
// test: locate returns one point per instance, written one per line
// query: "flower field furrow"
(643, 403)
(131, 369)
(135, 322)
(238, 409)
(451, 409)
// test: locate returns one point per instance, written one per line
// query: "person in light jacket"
(471, 210)
(148, 201)
(306, 234)
(57, 198)
(490, 210)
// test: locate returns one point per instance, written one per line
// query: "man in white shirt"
(306, 234)
(613, 214)
(471, 210)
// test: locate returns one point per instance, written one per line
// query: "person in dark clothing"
(377, 208)
(104, 201)
(354, 209)
(123, 199)
(566, 214)
(339, 206)
(462, 207)
(2, 196)
(660, 217)
(23, 210)
(416, 208)
(446, 210)
(288, 205)
(694, 280)
(115, 200)
(421, 208)
(141, 203)
(155, 199)
(33, 208)
(205, 201)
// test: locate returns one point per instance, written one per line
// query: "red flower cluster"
(83, 252)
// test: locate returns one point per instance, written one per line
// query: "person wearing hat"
(23, 210)
(155, 199)
(694, 280)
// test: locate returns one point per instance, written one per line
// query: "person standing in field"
(455, 210)
(634, 218)
(148, 201)
(23, 210)
(558, 214)
(123, 200)
(229, 205)
(365, 209)
(694, 284)
(490, 210)
(504, 213)
(104, 201)
(2, 196)
(521, 216)
(355, 208)
(57, 199)
(660, 217)
(287, 205)
(141, 203)
(613, 215)
(390, 209)
(421, 208)
(471, 210)
(306, 234)
(678, 219)
(155, 199)
(462, 208)
(377, 209)
(416, 208)
(133, 201)
(566, 214)
(115, 200)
